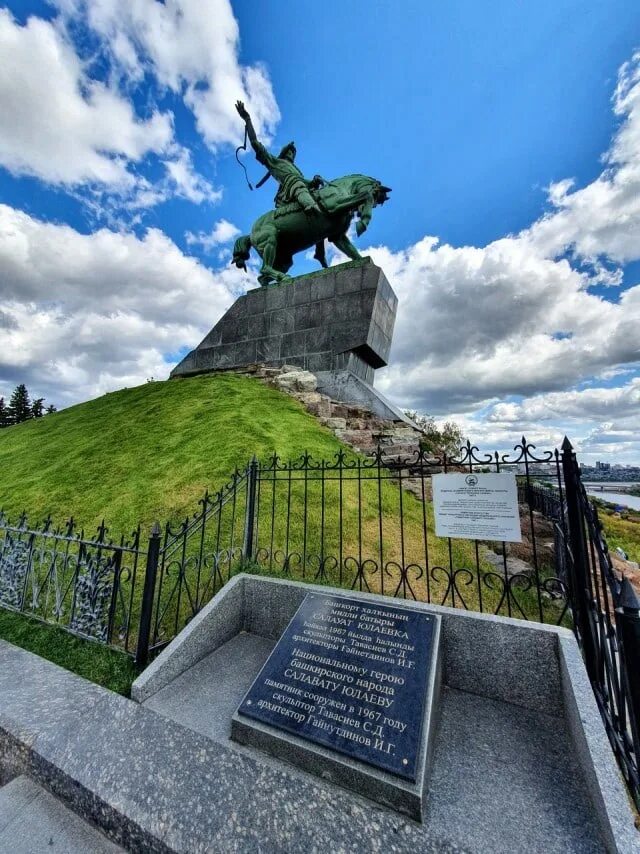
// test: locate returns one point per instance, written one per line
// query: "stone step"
(33, 821)
(400, 448)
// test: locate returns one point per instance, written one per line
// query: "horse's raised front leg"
(345, 245)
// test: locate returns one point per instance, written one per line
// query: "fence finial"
(566, 444)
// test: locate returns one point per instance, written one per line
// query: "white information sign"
(477, 506)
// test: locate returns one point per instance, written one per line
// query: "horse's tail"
(241, 250)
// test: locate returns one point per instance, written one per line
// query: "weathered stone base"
(349, 388)
(355, 424)
(338, 319)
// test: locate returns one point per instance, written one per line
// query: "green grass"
(149, 452)
(95, 662)
(622, 530)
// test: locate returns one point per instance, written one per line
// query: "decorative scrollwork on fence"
(452, 577)
(93, 596)
(15, 563)
(361, 569)
(507, 587)
(396, 570)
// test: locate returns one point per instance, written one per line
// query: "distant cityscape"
(600, 472)
(614, 472)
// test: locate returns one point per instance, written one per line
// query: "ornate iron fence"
(358, 523)
(86, 585)
(606, 614)
(366, 524)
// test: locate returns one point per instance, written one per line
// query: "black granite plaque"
(352, 676)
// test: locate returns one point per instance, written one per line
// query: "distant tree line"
(21, 408)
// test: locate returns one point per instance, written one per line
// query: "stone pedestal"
(337, 323)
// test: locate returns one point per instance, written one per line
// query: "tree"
(20, 408)
(445, 439)
(20, 405)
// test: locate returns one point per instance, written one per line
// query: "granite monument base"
(337, 323)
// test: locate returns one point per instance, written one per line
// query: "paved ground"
(32, 821)
(504, 778)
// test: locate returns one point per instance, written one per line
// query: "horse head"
(370, 193)
(380, 192)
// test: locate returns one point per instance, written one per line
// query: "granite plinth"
(348, 388)
(339, 319)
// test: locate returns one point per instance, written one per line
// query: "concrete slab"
(205, 697)
(532, 668)
(507, 780)
(33, 821)
(534, 774)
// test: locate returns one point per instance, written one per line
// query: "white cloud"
(603, 218)
(478, 324)
(85, 314)
(187, 182)
(59, 124)
(191, 46)
(223, 232)
(517, 317)
(597, 404)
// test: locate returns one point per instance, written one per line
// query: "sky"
(509, 132)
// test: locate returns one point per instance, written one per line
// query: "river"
(622, 498)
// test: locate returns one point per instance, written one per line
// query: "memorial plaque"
(352, 676)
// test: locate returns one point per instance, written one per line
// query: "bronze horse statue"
(279, 234)
(307, 212)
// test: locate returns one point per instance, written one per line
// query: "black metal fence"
(358, 523)
(60, 575)
(606, 615)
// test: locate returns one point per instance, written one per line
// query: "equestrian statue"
(307, 212)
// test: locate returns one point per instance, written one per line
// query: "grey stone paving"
(503, 780)
(522, 761)
(205, 697)
(32, 821)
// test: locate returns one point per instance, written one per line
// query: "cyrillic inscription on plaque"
(352, 676)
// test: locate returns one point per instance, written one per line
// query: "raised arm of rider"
(262, 155)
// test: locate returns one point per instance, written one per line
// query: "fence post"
(252, 479)
(579, 564)
(151, 571)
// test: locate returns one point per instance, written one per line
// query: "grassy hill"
(149, 452)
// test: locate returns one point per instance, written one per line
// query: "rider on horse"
(294, 187)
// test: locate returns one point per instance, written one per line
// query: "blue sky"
(510, 133)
